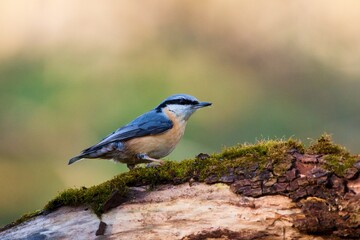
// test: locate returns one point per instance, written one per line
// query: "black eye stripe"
(180, 101)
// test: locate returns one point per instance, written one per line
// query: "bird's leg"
(142, 156)
(130, 166)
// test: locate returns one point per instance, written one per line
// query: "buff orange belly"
(158, 146)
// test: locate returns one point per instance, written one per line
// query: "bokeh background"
(73, 71)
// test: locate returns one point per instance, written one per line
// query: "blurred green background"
(72, 72)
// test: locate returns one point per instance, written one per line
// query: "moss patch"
(336, 158)
(246, 155)
(22, 219)
(94, 196)
(324, 145)
(245, 161)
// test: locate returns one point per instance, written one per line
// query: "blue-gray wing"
(150, 123)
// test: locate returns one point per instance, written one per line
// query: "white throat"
(181, 112)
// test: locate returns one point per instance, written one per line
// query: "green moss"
(325, 145)
(336, 158)
(94, 196)
(338, 164)
(28, 216)
(22, 219)
(242, 159)
(177, 172)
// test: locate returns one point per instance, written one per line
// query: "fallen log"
(269, 190)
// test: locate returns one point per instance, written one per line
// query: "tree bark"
(302, 200)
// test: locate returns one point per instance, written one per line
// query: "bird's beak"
(203, 104)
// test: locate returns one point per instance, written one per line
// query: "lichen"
(247, 160)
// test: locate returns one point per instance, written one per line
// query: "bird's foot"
(142, 156)
(152, 165)
(130, 166)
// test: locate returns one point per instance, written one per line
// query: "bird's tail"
(75, 159)
(92, 152)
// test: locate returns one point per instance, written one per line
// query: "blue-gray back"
(150, 123)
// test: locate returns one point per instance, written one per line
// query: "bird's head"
(182, 105)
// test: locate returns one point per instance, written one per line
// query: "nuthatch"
(150, 136)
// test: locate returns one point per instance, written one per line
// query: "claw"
(130, 166)
(143, 156)
(152, 165)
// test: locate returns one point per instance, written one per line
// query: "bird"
(149, 137)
